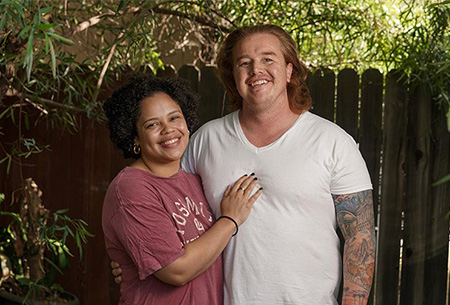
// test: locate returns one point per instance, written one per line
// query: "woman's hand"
(237, 202)
(116, 271)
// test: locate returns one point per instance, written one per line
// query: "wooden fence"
(402, 136)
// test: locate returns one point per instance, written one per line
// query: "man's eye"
(244, 64)
(268, 60)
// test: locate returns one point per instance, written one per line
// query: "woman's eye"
(151, 125)
(268, 60)
(175, 117)
(244, 64)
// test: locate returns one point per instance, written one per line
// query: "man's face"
(260, 70)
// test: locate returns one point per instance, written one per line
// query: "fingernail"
(256, 178)
(260, 188)
(245, 175)
(252, 174)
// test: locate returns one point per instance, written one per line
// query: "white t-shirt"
(287, 252)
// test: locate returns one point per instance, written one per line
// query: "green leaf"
(63, 211)
(24, 32)
(3, 20)
(5, 2)
(19, 9)
(44, 27)
(27, 123)
(60, 38)
(5, 112)
(448, 119)
(28, 63)
(47, 43)
(53, 57)
(36, 19)
(443, 180)
(53, 264)
(46, 10)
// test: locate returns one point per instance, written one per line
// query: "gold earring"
(136, 149)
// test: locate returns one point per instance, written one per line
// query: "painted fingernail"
(256, 178)
(252, 174)
(261, 188)
(245, 175)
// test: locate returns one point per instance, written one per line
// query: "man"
(312, 173)
(313, 176)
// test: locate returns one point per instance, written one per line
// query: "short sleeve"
(145, 228)
(350, 174)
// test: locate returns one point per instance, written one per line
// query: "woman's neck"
(161, 170)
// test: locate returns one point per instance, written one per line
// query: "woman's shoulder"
(132, 183)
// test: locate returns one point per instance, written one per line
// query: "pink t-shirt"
(147, 220)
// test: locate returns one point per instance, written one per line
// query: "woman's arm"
(200, 254)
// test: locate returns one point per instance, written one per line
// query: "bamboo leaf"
(46, 10)
(24, 32)
(448, 119)
(27, 123)
(62, 211)
(44, 27)
(53, 264)
(53, 57)
(36, 19)
(3, 20)
(60, 38)
(28, 63)
(443, 180)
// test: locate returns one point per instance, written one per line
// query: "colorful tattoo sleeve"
(356, 221)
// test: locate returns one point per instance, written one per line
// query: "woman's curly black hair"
(122, 109)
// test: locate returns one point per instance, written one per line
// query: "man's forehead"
(244, 47)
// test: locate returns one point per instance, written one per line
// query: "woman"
(156, 220)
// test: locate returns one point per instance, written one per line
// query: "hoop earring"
(136, 149)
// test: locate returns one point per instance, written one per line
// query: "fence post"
(417, 197)
(191, 74)
(436, 249)
(386, 284)
(211, 95)
(347, 101)
(370, 130)
(321, 84)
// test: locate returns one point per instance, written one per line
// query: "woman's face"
(162, 131)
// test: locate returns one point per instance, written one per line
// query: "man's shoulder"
(214, 126)
(324, 126)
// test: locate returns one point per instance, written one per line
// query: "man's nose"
(256, 68)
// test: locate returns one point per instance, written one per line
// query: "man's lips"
(258, 82)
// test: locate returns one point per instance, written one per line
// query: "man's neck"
(262, 128)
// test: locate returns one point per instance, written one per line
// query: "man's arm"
(355, 218)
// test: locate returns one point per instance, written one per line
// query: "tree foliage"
(56, 57)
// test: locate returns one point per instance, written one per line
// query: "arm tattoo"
(355, 218)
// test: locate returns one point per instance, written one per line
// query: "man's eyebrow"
(241, 57)
(268, 53)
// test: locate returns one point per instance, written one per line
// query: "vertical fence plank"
(211, 95)
(370, 131)
(418, 196)
(321, 84)
(392, 191)
(166, 71)
(436, 251)
(347, 101)
(191, 74)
